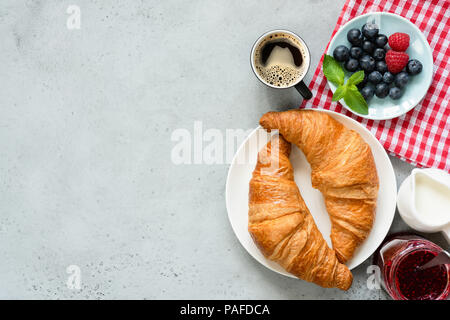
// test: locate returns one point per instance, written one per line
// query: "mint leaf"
(348, 91)
(340, 93)
(355, 100)
(356, 78)
(333, 70)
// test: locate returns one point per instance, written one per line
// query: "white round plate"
(417, 87)
(240, 173)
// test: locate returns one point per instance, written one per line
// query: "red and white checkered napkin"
(420, 136)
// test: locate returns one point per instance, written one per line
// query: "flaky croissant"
(343, 169)
(281, 225)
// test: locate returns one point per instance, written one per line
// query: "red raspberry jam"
(399, 259)
(415, 284)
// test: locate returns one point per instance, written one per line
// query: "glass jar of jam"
(399, 259)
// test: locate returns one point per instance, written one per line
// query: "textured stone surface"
(86, 177)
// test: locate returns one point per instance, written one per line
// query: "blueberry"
(401, 79)
(367, 92)
(375, 77)
(414, 67)
(388, 77)
(356, 52)
(379, 54)
(368, 46)
(381, 66)
(351, 65)
(395, 93)
(341, 53)
(370, 30)
(381, 40)
(355, 37)
(382, 90)
(367, 63)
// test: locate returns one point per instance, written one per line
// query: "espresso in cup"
(280, 59)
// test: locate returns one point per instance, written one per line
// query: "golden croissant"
(342, 168)
(281, 225)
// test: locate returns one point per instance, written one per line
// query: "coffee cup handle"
(303, 89)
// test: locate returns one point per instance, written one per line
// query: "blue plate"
(417, 87)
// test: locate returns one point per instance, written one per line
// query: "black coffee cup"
(286, 75)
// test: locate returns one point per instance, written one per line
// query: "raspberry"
(399, 41)
(396, 61)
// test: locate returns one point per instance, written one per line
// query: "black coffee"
(279, 60)
(295, 51)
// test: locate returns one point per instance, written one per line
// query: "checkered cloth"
(420, 136)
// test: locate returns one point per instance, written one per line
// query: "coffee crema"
(279, 60)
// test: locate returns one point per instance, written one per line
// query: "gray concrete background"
(86, 176)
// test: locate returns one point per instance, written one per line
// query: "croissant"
(281, 225)
(343, 169)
